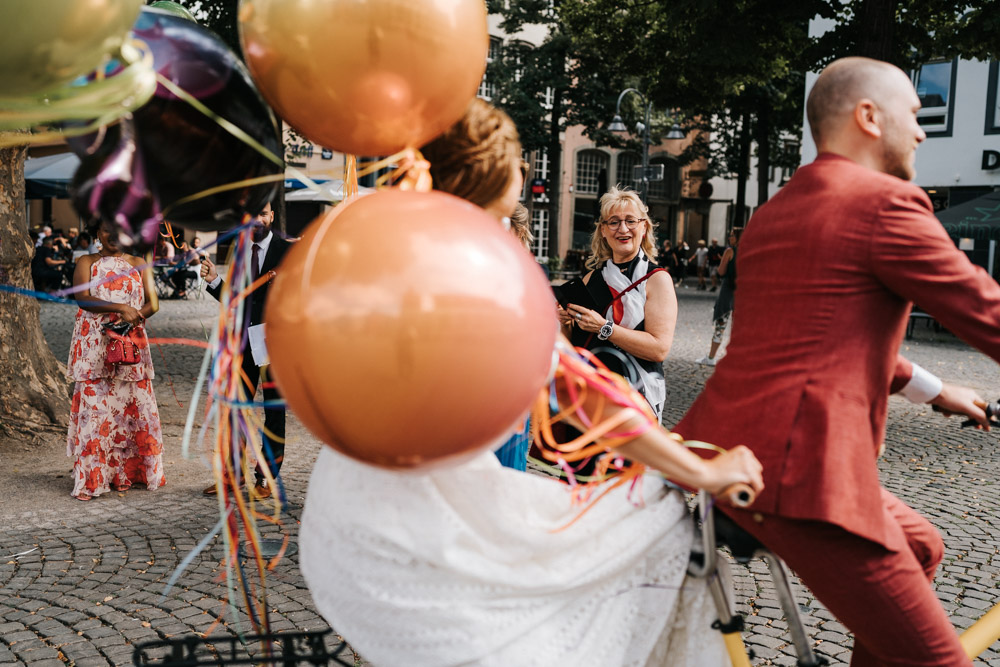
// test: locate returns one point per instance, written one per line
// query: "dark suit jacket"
(256, 301)
(828, 270)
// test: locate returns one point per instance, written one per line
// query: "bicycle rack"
(287, 649)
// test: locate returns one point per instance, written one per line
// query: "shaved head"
(842, 85)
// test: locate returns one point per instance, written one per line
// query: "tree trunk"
(875, 23)
(34, 390)
(555, 166)
(763, 132)
(740, 216)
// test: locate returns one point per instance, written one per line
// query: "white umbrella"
(331, 191)
(59, 167)
(49, 176)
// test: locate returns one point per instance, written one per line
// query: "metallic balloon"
(408, 328)
(48, 43)
(170, 152)
(366, 77)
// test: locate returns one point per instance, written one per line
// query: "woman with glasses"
(632, 328)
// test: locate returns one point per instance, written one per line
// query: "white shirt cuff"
(923, 386)
(218, 281)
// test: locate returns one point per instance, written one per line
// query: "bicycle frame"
(730, 624)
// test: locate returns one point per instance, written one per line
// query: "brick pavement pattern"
(81, 584)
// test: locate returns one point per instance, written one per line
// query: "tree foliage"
(220, 16)
(734, 66)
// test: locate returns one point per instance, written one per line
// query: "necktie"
(255, 261)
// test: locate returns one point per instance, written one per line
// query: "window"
(541, 165)
(541, 172)
(586, 211)
(540, 228)
(784, 164)
(935, 84)
(488, 89)
(992, 103)
(624, 174)
(589, 165)
(670, 187)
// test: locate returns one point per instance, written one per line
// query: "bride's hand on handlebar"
(735, 466)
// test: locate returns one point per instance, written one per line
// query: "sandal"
(83, 499)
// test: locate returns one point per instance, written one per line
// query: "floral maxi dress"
(114, 430)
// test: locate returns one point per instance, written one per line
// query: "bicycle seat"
(742, 544)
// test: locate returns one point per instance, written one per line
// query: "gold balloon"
(48, 43)
(366, 77)
(409, 328)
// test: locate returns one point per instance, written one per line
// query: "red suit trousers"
(883, 596)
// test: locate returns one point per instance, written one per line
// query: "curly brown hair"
(475, 157)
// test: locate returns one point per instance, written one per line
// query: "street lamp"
(618, 126)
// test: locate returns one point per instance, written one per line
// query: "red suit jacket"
(827, 270)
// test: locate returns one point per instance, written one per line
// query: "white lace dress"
(461, 566)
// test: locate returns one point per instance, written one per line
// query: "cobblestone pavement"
(81, 584)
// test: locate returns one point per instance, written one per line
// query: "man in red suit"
(828, 270)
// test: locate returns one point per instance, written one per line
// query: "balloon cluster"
(393, 323)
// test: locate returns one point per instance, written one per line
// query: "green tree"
(733, 66)
(220, 16)
(736, 67)
(530, 83)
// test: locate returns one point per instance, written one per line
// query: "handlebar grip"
(738, 495)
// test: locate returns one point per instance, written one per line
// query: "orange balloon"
(366, 77)
(409, 327)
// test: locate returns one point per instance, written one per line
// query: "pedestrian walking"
(724, 302)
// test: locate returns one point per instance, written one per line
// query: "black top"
(715, 255)
(606, 351)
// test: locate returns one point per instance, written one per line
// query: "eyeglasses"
(629, 222)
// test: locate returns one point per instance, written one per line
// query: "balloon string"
(410, 171)
(350, 176)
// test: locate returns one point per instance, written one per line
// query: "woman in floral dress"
(114, 430)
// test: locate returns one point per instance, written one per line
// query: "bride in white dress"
(466, 565)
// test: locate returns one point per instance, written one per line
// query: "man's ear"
(867, 116)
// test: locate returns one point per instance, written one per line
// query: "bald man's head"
(842, 85)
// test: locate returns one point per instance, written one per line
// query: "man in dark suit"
(812, 360)
(266, 253)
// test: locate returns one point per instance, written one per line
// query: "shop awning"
(977, 219)
(49, 176)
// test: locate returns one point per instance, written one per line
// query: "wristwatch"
(606, 329)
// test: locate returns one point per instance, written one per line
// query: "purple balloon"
(168, 150)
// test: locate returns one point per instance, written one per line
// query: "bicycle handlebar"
(992, 410)
(738, 495)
